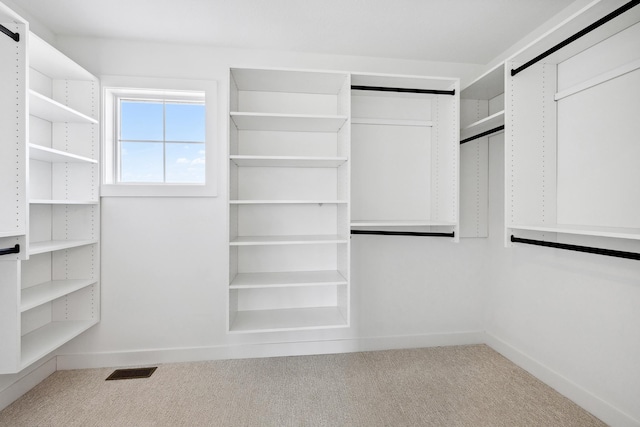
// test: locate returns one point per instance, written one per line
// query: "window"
(159, 141)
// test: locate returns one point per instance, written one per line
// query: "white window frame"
(116, 87)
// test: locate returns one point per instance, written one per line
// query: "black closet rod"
(588, 249)
(480, 135)
(576, 36)
(14, 36)
(13, 250)
(404, 233)
(402, 89)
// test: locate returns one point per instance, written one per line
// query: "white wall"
(571, 318)
(164, 260)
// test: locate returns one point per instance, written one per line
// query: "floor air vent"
(128, 374)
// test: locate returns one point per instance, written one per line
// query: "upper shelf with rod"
(595, 22)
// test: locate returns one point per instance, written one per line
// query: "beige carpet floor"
(442, 386)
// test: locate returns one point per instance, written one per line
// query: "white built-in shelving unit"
(404, 153)
(481, 122)
(49, 292)
(289, 200)
(571, 133)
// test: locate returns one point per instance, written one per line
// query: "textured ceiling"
(469, 31)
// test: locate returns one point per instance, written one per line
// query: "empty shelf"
(46, 339)
(51, 155)
(53, 111)
(287, 279)
(614, 232)
(286, 240)
(287, 161)
(57, 245)
(287, 319)
(48, 291)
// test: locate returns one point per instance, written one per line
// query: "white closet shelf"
(46, 339)
(487, 86)
(402, 223)
(53, 63)
(10, 233)
(62, 202)
(48, 291)
(614, 232)
(55, 112)
(287, 279)
(483, 125)
(51, 155)
(288, 122)
(602, 78)
(577, 22)
(287, 319)
(287, 202)
(391, 122)
(287, 240)
(287, 161)
(57, 245)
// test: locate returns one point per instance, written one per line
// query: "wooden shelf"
(614, 232)
(287, 319)
(53, 111)
(63, 202)
(287, 202)
(288, 122)
(51, 155)
(287, 279)
(45, 292)
(286, 240)
(288, 161)
(46, 339)
(57, 245)
(391, 122)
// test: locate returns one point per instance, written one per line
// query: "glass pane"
(185, 122)
(141, 120)
(141, 162)
(185, 163)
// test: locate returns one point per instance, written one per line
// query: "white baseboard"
(15, 385)
(564, 386)
(244, 351)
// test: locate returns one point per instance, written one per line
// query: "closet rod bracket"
(11, 34)
(13, 250)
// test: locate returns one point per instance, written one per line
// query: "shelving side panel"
(530, 146)
(474, 187)
(9, 315)
(472, 110)
(13, 133)
(74, 181)
(79, 95)
(445, 157)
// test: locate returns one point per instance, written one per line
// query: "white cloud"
(182, 160)
(198, 161)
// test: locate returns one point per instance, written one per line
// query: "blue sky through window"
(162, 142)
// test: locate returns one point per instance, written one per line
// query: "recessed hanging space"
(571, 151)
(404, 151)
(289, 200)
